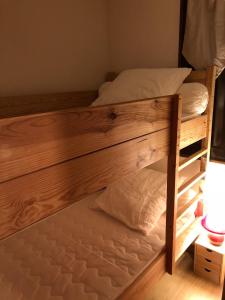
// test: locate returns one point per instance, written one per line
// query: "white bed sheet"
(77, 254)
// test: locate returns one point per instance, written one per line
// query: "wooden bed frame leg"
(172, 184)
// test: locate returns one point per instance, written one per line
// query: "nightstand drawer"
(208, 273)
(213, 256)
(207, 263)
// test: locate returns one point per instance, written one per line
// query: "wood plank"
(189, 160)
(206, 143)
(193, 131)
(187, 237)
(172, 185)
(25, 105)
(183, 208)
(143, 284)
(192, 181)
(30, 143)
(29, 198)
(197, 76)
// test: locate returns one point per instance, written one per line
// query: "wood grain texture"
(188, 204)
(190, 183)
(143, 284)
(197, 76)
(29, 198)
(193, 131)
(30, 143)
(187, 237)
(27, 105)
(172, 185)
(189, 160)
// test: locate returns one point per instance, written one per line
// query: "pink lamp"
(216, 236)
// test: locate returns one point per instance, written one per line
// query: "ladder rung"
(186, 237)
(186, 186)
(185, 207)
(186, 162)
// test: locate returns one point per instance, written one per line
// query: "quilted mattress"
(76, 254)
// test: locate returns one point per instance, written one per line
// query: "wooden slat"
(30, 143)
(189, 160)
(143, 284)
(172, 183)
(188, 204)
(197, 76)
(186, 186)
(26, 105)
(29, 198)
(193, 131)
(187, 237)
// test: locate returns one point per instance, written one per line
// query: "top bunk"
(56, 152)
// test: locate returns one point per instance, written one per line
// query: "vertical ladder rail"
(206, 143)
(174, 166)
(172, 184)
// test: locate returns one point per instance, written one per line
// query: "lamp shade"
(216, 237)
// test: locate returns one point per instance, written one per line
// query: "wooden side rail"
(31, 143)
(144, 283)
(26, 105)
(96, 147)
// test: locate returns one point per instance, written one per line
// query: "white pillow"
(195, 98)
(138, 84)
(137, 200)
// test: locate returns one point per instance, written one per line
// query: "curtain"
(204, 40)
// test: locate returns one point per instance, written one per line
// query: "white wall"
(144, 33)
(62, 45)
(52, 45)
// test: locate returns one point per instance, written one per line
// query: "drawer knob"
(207, 270)
(208, 260)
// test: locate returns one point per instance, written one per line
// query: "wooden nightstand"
(209, 260)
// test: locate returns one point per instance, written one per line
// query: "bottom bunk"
(84, 252)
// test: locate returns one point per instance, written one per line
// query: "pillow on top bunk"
(195, 98)
(137, 200)
(138, 84)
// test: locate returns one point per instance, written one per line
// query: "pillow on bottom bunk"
(137, 200)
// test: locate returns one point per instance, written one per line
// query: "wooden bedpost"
(172, 184)
(206, 143)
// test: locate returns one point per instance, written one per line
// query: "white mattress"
(77, 254)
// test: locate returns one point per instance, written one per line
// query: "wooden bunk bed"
(52, 155)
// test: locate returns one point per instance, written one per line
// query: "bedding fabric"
(137, 84)
(195, 98)
(77, 254)
(137, 200)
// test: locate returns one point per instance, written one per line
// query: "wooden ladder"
(176, 245)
